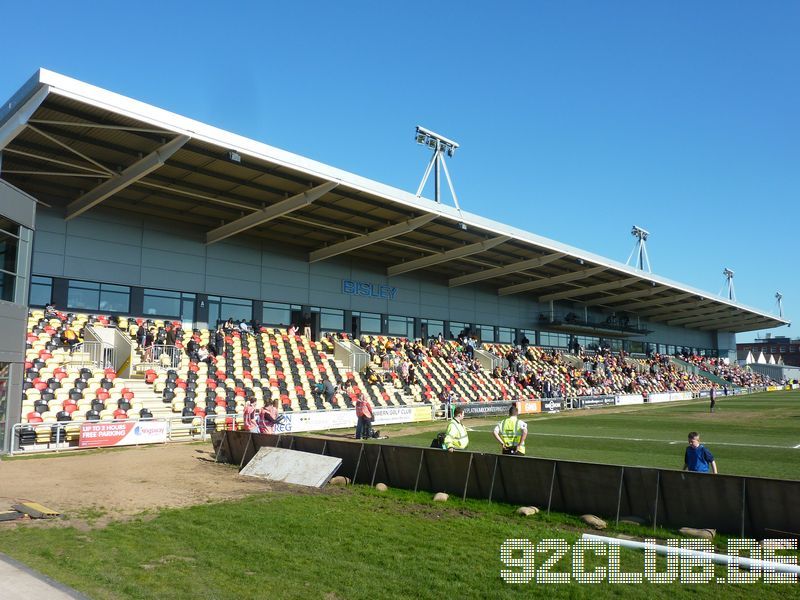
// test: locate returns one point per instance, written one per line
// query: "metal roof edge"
(102, 98)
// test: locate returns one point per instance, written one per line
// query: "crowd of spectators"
(732, 372)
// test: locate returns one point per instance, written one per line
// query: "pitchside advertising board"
(344, 419)
(592, 401)
(669, 397)
(94, 435)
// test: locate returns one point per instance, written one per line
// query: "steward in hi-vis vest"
(511, 433)
(455, 437)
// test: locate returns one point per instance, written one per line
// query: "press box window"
(9, 245)
(331, 319)
(222, 308)
(41, 290)
(275, 313)
(401, 326)
(104, 297)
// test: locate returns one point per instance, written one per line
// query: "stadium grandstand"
(158, 268)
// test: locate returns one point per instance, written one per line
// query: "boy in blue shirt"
(697, 457)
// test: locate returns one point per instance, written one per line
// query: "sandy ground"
(116, 484)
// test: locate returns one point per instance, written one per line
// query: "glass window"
(331, 319)
(162, 302)
(457, 329)
(222, 308)
(105, 297)
(187, 308)
(165, 303)
(41, 290)
(9, 245)
(115, 298)
(275, 313)
(83, 294)
(636, 347)
(4, 375)
(432, 327)
(529, 335)
(505, 335)
(554, 340)
(370, 322)
(401, 326)
(486, 333)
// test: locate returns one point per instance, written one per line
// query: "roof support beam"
(269, 213)
(741, 324)
(548, 281)
(524, 265)
(743, 321)
(700, 315)
(435, 259)
(370, 238)
(14, 125)
(674, 305)
(136, 171)
(637, 306)
(592, 289)
(627, 296)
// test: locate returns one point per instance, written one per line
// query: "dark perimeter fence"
(744, 506)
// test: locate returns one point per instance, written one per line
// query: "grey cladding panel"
(95, 229)
(286, 263)
(276, 277)
(160, 240)
(16, 205)
(45, 241)
(48, 220)
(229, 270)
(108, 251)
(234, 253)
(48, 264)
(326, 299)
(326, 284)
(99, 270)
(174, 261)
(13, 321)
(284, 294)
(155, 277)
(226, 286)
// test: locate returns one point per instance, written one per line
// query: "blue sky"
(576, 119)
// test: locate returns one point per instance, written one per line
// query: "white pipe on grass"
(721, 559)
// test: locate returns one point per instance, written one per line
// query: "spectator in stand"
(69, 338)
(50, 310)
(203, 355)
(365, 416)
(292, 331)
(172, 335)
(250, 423)
(268, 417)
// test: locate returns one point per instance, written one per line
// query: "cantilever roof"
(76, 146)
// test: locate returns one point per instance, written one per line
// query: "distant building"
(779, 347)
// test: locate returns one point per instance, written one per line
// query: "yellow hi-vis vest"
(455, 436)
(511, 433)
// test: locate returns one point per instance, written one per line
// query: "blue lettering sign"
(370, 290)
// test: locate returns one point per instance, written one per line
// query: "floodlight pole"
(779, 298)
(437, 163)
(731, 293)
(640, 249)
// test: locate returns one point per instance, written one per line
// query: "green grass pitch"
(756, 435)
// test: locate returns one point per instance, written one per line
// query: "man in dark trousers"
(365, 417)
(713, 395)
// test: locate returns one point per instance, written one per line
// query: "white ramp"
(292, 466)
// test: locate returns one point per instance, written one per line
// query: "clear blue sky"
(576, 119)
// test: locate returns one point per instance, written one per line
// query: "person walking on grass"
(697, 458)
(713, 395)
